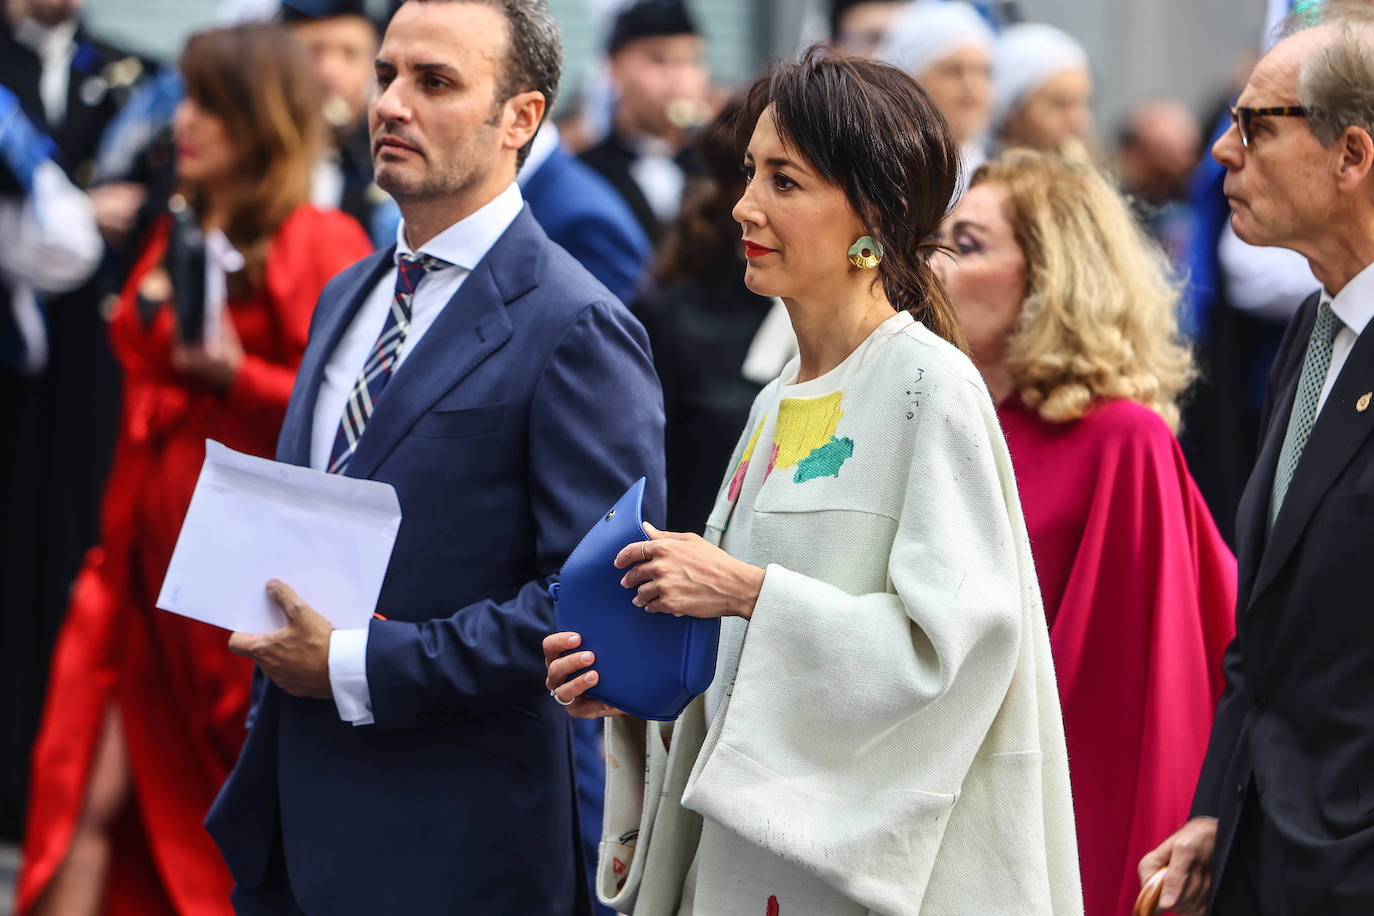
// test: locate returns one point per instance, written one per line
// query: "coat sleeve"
(904, 684)
(310, 248)
(596, 424)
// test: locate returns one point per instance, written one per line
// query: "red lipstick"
(752, 250)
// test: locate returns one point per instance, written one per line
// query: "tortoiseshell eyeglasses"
(1243, 117)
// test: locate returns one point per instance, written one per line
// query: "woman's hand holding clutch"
(567, 680)
(686, 575)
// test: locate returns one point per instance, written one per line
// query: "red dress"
(180, 694)
(1140, 595)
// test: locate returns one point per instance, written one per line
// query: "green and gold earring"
(866, 253)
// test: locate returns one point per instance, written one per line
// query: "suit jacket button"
(1261, 704)
(1240, 790)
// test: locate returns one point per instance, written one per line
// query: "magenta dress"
(1140, 595)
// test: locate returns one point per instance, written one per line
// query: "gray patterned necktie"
(1315, 365)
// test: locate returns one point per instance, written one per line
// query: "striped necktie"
(381, 360)
(1315, 364)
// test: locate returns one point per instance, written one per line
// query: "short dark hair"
(870, 130)
(534, 60)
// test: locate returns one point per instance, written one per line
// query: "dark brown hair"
(705, 232)
(534, 58)
(258, 81)
(871, 131)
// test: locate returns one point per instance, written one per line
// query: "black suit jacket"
(1297, 716)
(612, 158)
(99, 82)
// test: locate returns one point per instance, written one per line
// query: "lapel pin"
(1363, 403)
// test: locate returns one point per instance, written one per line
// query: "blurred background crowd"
(99, 154)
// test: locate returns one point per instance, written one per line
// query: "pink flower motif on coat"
(737, 481)
(742, 468)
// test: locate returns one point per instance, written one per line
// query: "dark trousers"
(1252, 876)
(273, 896)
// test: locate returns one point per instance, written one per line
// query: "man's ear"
(1356, 148)
(524, 111)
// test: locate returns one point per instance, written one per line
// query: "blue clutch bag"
(650, 665)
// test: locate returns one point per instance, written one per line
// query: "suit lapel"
(1253, 514)
(1336, 436)
(472, 325)
(294, 446)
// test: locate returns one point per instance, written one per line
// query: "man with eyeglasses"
(1284, 810)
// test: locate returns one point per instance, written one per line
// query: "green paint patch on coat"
(824, 461)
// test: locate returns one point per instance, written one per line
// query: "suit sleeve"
(616, 253)
(596, 424)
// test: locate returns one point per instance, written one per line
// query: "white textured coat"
(892, 742)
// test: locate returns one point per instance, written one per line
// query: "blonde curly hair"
(1100, 316)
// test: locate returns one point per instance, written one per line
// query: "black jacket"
(612, 159)
(1297, 716)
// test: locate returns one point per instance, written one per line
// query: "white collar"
(1354, 304)
(467, 241)
(648, 147)
(46, 41)
(541, 148)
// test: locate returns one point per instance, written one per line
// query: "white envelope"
(327, 536)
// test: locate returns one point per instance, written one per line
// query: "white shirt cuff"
(348, 676)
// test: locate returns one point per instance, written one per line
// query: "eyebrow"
(441, 69)
(968, 224)
(778, 162)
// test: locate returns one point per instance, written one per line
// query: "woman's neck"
(216, 208)
(827, 333)
(995, 375)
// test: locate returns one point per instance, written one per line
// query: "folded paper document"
(328, 536)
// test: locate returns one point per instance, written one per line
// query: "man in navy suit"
(418, 766)
(582, 212)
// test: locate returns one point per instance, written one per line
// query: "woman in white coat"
(883, 732)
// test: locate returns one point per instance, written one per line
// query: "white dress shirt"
(55, 47)
(327, 181)
(462, 245)
(545, 141)
(1354, 306)
(659, 177)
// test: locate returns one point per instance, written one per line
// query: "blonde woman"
(1071, 318)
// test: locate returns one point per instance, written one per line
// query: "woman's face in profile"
(797, 227)
(204, 152)
(986, 277)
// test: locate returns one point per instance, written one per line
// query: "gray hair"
(535, 57)
(1336, 82)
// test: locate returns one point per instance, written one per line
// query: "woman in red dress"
(145, 710)
(1072, 319)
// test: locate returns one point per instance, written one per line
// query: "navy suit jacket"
(581, 211)
(1297, 717)
(519, 418)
